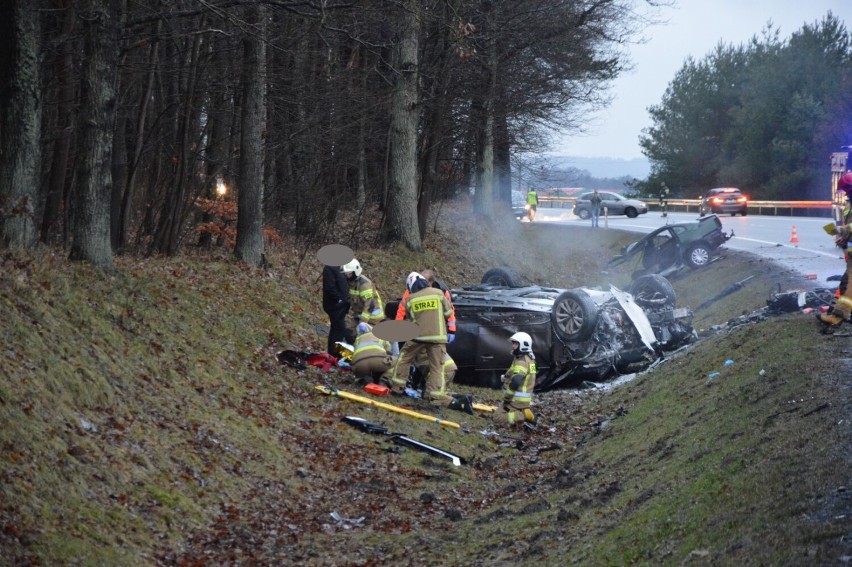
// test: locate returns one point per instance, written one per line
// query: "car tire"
(631, 212)
(502, 277)
(653, 290)
(584, 214)
(574, 316)
(697, 255)
(744, 212)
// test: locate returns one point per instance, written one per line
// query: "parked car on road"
(577, 334)
(520, 209)
(723, 200)
(673, 246)
(615, 204)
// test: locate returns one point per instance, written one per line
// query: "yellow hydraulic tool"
(355, 398)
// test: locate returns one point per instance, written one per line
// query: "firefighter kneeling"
(518, 384)
(372, 360)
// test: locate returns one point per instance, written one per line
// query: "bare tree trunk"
(483, 202)
(402, 200)
(90, 222)
(66, 90)
(123, 220)
(20, 122)
(249, 247)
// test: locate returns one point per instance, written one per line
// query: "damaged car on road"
(578, 334)
(673, 246)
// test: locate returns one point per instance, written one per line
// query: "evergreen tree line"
(764, 116)
(120, 116)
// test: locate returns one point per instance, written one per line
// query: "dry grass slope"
(144, 420)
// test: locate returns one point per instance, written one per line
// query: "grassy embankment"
(144, 419)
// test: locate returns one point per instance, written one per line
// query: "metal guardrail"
(770, 208)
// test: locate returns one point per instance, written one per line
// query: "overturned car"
(578, 334)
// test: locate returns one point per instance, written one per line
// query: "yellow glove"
(830, 228)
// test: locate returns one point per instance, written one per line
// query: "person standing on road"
(664, 198)
(532, 202)
(842, 234)
(335, 302)
(518, 384)
(595, 201)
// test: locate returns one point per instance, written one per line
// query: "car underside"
(578, 334)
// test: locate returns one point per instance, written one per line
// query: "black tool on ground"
(368, 427)
(727, 291)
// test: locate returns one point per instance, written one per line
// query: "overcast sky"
(693, 27)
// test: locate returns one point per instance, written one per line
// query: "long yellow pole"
(355, 398)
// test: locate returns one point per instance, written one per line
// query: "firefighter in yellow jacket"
(366, 303)
(372, 359)
(842, 236)
(430, 310)
(518, 383)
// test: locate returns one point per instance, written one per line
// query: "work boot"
(462, 402)
(842, 310)
(530, 417)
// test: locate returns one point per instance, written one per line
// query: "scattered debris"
(369, 427)
(355, 398)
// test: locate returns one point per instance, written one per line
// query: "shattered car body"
(673, 246)
(578, 334)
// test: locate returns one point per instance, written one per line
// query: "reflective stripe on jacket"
(367, 345)
(451, 322)
(524, 366)
(366, 300)
(430, 309)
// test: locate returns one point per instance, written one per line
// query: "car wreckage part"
(501, 277)
(390, 407)
(653, 291)
(697, 255)
(574, 316)
(368, 427)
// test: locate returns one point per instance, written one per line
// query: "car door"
(612, 203)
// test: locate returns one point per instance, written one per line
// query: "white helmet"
(412, 277)
(524, 342)
(353, 266)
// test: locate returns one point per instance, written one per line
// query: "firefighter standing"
(372, 359)
(430, 310)
(429, 276)
(518, 383)
(367, 305)
(664, 198)
(842, 233)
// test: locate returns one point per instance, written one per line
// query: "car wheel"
(631, 212)
(501, 277)
(574, 316)
(697, 255)
(584, 214)
(653, 291)
(744, 212)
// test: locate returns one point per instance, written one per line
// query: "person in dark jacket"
(335, 302)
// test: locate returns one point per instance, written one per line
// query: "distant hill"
(605, 167)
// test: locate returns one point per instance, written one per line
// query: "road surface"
(770, 237)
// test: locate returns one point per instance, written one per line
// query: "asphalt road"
(770, 237)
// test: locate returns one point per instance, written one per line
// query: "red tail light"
(716, 200)
(742, 199)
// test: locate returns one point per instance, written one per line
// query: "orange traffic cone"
(794, 239)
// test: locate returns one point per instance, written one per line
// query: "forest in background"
(122, 117)
(764, 116)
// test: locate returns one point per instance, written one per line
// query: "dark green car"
(673, 246)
